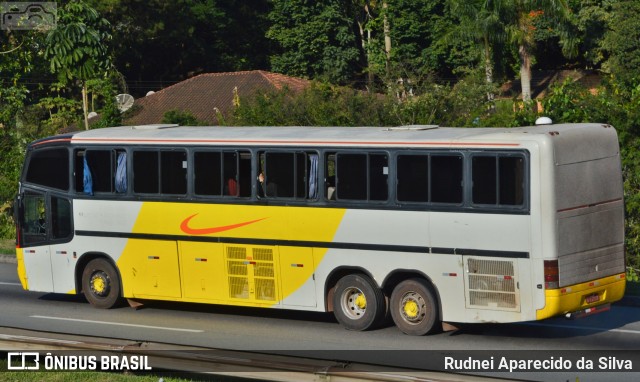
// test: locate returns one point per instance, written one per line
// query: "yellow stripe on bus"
(239, 274)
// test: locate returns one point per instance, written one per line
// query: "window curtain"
(87, 180)
(121, 173)
(313, 177)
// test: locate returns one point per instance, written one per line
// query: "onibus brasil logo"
(49, 361)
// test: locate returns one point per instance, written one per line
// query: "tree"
(520, 16)
(492, 23)
(481, 23)
(622, 42)
(77, 47)
(159, 42)
(315, 39)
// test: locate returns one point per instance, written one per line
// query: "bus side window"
(103, 171)
(99, 164)
(49, 168)
(230, 174)
(244, 174)
(60, 218)
(207, 173)
(446, 179)
(362, 176)
(160, 172)
(498, 179)
(413, 178)
(146, 170)
(288, 175)
(34, 227)
(173, 172)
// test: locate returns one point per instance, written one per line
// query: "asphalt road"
(304, 333)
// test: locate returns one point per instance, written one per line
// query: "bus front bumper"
(580, 297)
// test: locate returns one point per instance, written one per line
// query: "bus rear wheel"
(100, 284)
(414, 308)
(358, 304)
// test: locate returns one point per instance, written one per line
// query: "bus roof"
(403, 136)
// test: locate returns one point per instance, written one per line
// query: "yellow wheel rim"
(361, 301)
(353, 303)
(411, 309)
(98, 284)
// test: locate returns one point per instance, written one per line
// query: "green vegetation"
(182, 118)
(7, 247)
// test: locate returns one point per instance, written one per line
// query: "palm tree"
(521, 29)
(482, 24)
(498, 21)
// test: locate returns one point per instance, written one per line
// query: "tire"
(358, 304)
(101, 284)
(414, 307)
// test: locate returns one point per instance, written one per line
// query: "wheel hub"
(413, 307)
(99, 284)
(354, 303)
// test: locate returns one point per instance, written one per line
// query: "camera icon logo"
(28, 15)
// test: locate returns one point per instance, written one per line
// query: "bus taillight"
(551, 274)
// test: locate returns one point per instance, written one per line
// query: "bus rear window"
(49, 168)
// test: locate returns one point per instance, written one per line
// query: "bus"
(429, 226)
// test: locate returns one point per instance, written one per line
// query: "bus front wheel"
(414, 308)
(100, 284)
(358, 304)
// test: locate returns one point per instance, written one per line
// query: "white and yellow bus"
(430, 225)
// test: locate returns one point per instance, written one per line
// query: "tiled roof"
(203, 94)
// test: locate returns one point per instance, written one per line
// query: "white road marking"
(118, 324)
(592, 328)
(3, 283)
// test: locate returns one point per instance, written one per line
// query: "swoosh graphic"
(184, 226)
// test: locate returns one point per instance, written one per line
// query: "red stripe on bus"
(590, 205)
(235, 141)
(52, 141)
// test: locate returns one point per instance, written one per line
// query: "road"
(293, 332)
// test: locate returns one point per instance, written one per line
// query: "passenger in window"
(231, 187)
(271, 188)
(331, 187)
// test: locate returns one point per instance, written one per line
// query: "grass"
(7, 247)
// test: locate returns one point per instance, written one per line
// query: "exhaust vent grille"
(251, 276)
(491, 284)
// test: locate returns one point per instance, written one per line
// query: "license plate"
(590, 299)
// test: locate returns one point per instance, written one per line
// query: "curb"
(8, 259)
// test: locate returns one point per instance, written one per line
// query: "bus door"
(45, 230)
